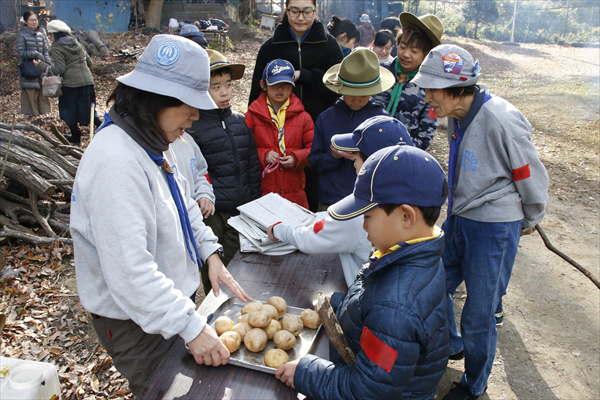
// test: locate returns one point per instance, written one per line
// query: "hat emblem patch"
(362, 171)
(279, 68)
(167, 54)
(453, 63)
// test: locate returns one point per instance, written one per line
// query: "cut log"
(11, 209)
(4, 221)
(59, 226)
(30, 128)
(27, 177)
(41, 164)
(41, 240)
(59, 135)
(333, 329)
(95, 39)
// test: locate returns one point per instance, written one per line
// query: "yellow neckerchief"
(436, 234)
(279, 121)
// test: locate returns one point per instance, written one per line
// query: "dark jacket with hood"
(367, 34)
(230, 151)
(337, 176)
(71, 61)
(394, 318)
(313, 57)
(31, 45)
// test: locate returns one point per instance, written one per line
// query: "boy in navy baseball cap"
(394, 315)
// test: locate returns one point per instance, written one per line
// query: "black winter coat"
(313, 57)
(230, 151)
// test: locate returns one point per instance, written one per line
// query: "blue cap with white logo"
(278, 71)
(394, 175)
(373, 134)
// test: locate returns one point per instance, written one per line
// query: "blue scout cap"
(279, 71)
(190, 31)
(394, 175)
(373, 134)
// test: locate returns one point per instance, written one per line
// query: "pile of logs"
(131, 53)
(92, 43)
(36, 180)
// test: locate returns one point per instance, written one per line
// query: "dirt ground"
(549, 345)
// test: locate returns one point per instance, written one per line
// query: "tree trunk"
(8, 15)
(476, 26)
(95, 39)
(154, 13)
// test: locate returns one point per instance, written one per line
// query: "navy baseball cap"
(278, 71)
(394, 175)
(373, 134)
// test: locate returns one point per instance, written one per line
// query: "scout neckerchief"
(278, 118)
(397, 91)
(457, 137)
(147, 139)
(378, 254)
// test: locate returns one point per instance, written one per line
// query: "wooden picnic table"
(220, 35)
(296, 277)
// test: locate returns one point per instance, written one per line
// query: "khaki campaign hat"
(359, 74)
(428, 24)
(218, 61)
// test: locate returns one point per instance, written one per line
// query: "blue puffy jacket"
(336, 177)
(400, 299)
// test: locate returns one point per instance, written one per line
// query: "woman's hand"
(286, 372)
(287, 161)
(527, 231)
(217, 273)
(207, 207)
(208, 349)
(35, 61)
(271, 157)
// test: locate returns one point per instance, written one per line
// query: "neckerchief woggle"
(457, 137)
(184, 218)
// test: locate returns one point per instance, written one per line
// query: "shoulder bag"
(27, 69)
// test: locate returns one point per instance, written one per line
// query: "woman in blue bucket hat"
(139, 237)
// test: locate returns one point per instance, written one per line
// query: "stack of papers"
(256, 216)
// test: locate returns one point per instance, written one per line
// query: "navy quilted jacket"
(401, 300)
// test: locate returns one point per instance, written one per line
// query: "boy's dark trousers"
(228, 238)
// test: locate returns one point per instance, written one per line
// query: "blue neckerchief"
(184, 218)
(345, 51)
(294, 35)
(459, 130)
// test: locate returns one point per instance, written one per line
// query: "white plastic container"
(24, 379)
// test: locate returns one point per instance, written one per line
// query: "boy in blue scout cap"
(283, 131)
(394, 314)
(347, 238)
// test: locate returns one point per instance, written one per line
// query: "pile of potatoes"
(260, 323)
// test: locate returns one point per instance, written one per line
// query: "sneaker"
(457, 356)
(499, 318)
(460, 392)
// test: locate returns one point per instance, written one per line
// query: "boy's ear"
(263, 85)
(409, 215)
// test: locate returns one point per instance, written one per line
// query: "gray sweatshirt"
(499, 176)
(131, 261)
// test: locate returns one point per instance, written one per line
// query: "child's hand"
(207, 207)
(270, 233)
(286, 372)
(337, 154)
(287, 161)
(296, 75)
(271, 157)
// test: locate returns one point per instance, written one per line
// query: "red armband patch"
(319, 225)
(208, 178)
(377, 351)
(521, 173)
(431, 114)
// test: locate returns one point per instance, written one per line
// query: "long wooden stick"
(565, 257)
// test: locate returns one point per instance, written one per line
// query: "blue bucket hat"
(373, 134)
(176, 67)
(394, 175)
(279, 71)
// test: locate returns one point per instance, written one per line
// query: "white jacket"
(192, 165)
(327, 236)
(131, 261)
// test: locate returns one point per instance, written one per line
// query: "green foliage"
(253, 23)
(215, 45)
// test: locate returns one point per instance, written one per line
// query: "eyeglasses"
(308, 12)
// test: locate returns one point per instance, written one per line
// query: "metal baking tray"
(232, 308)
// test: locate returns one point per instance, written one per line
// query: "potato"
(242, 318)
(273, 328)
(310, 318)
(259, 319)
(242, 328)
(251, 307)
(223, 324)
(279, 303)
(292, 323)
(284, 340)
(270, 310)
(255, 340)
(232, 340)
(275, 358)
